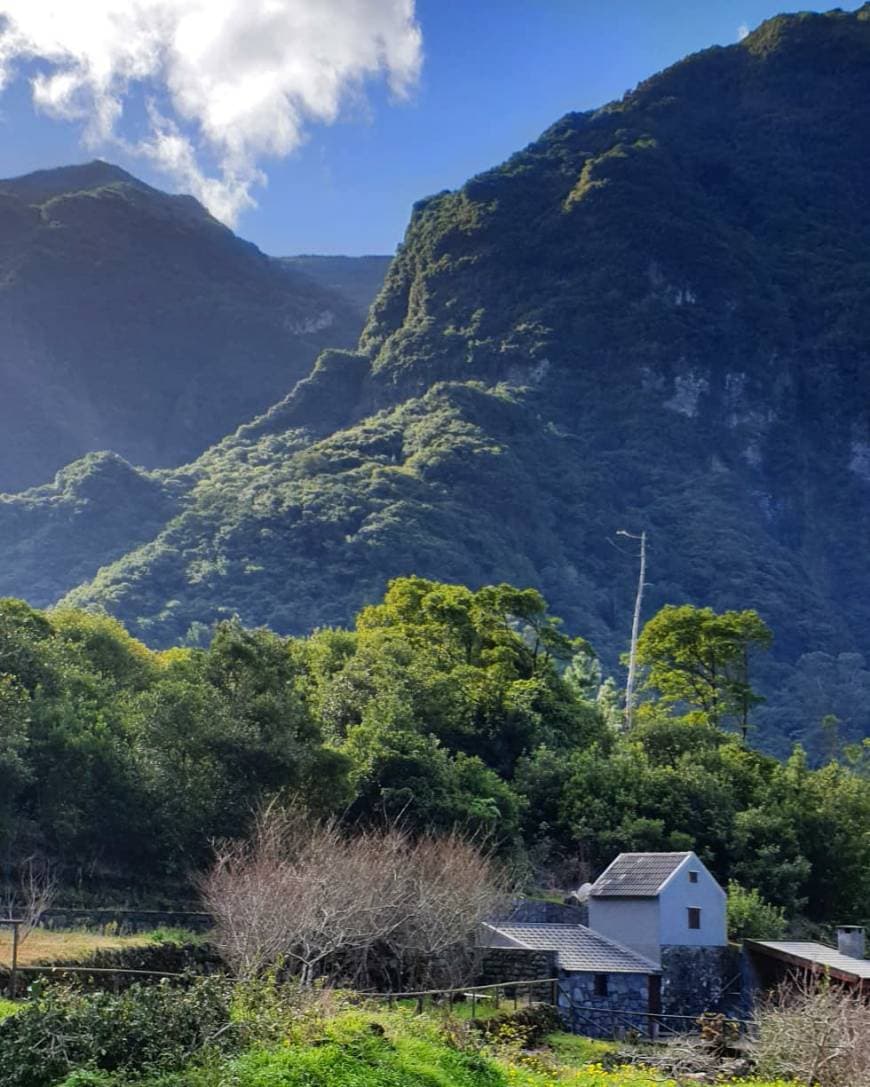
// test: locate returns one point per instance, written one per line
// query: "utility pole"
(635, 629)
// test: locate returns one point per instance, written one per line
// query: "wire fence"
(500, 994)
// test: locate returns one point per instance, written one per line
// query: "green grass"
(576, 1049)
(461, 1009)
(7, 1007)
(174, 936)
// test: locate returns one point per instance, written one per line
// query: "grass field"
(43, 946)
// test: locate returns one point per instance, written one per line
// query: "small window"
(693, 876)
(601, 984)
(694, 917)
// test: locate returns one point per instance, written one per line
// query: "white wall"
(678, 894)
(632, 922)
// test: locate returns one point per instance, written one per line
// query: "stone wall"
(694, 979)
(607, 1016)
(535, 911)
(518, 964)
(111, 966)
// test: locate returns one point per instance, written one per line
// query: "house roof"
(809, 955)
(637, 875)
(577, 947)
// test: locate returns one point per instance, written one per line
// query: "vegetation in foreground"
(215, 1035)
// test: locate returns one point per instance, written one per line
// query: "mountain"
(358, 279)
(134, 321)
(654, 317)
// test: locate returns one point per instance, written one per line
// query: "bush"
(146, 1029)
(815, 1034)
(750, 917)
(528, 1026)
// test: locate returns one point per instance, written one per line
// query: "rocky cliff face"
(653, 317)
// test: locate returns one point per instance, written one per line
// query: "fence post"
(13, 973)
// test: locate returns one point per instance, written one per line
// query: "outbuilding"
(603, 987)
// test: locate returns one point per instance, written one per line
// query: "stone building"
(655, 943)
(668, 908)
(602, 987)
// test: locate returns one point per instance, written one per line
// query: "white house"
(653, 901)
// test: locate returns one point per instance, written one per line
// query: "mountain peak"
(42, 185)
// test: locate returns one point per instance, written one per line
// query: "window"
(694, 917)
(601, 984)
(693, 877)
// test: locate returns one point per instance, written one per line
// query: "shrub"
(146, 1029)
(815, 1034)
(750, 917)
(528, 1026)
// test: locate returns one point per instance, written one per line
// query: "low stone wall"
(694, 979)
(183, 959)
(124, 922)
(534, 911)
(518, 964)
(607, 1016)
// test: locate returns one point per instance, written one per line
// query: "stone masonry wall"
(518, 964)
(694, 979)
(535, 911)
(604, 1016)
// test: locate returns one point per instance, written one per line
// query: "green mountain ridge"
(135, 321)
(653, 317)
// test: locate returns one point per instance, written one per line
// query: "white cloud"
(237, 81)
(742, 31)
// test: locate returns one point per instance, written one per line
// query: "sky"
(312, 126)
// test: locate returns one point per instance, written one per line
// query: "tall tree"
(698, 661)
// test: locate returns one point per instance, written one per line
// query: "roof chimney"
(850, 941)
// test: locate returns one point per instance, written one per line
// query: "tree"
(14, 768)
(303, 890)
(698, 661)
(750, 917)
(33, 894)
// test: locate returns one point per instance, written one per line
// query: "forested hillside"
(359, 279)
(133, 321)
(654, 317)
(441, 708)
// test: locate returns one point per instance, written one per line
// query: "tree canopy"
(442, 708)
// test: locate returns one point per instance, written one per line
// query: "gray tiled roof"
(577, 947)
(637, 875)
(814, 954)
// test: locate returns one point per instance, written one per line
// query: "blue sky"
(495, 73)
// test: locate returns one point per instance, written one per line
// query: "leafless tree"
(452, 887)
(305, 891)
(27, 899)
(815, 1032)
